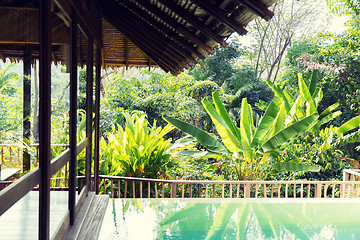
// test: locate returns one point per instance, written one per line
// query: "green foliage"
(137, 150)
(252, 147)
(157, 93)
(10, 105)
(218, 67)
(311, 148)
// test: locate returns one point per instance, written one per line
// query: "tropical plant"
(137, 150)
(10, 105)
(253, 145)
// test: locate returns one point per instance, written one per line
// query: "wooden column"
(89, 108)
(73, 116)
(44, 119)
(97, 119)
(26, 107)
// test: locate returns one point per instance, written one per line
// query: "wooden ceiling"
(171, 34)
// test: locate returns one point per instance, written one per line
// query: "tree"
(219, 67)
(293, 20)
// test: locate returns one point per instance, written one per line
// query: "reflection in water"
(237, 219)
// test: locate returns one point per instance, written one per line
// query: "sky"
(335, 26)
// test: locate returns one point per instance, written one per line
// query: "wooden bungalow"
(170, 34)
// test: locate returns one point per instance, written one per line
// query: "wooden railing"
(11, 157)
(11, 194)
(11, 154)
(126, 187)
(351, 175)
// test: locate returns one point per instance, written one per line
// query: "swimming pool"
(232, 219)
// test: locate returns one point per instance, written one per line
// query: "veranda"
(167, 34)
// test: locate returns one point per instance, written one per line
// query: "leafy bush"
(137, 150)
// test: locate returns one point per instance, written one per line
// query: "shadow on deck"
(21, 220)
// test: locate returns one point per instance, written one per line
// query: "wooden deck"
(90, 218)
(21, 220)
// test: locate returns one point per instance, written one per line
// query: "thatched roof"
(172, 34)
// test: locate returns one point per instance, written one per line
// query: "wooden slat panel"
(182, 190)
(93, 220)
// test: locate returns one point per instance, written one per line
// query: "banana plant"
(253, 147)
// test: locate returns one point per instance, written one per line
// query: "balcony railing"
(126, 187)
(11, 157)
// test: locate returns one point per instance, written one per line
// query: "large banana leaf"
(328, 118)
(280, 93)
(318, 96)
(265, 123)
(288, 133)
(279, 122)
(304, 91)
(203, 137)
(245, 129)
(223, 113)
(223, 127)
(314, 82)
(349, 125)
(296, 112)
(328, 110)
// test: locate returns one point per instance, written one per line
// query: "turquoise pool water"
(140, 219)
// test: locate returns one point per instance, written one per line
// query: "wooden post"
(73, 116)
(247, 190)
(89, 109)
(173, 190)
(318, 187)
(44, 119)
(97, 119)
(26, 107)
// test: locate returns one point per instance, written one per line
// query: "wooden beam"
(186, 49)
(26, 107)
(79, 6)
(64, 7)
(126, 53)
(73, 115)
(18, 189)
(63, 158)
(222, 5)
(148, 32)
(44, 119)
(195, 39)
(25, 44)
(2, 56)
(221, 15)
(152, 8)
(141, 36)
(204, 29)
(19, 8)
(89, 107)
(97, 119)
(166, 65)
(258, 8)
(144, 63)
